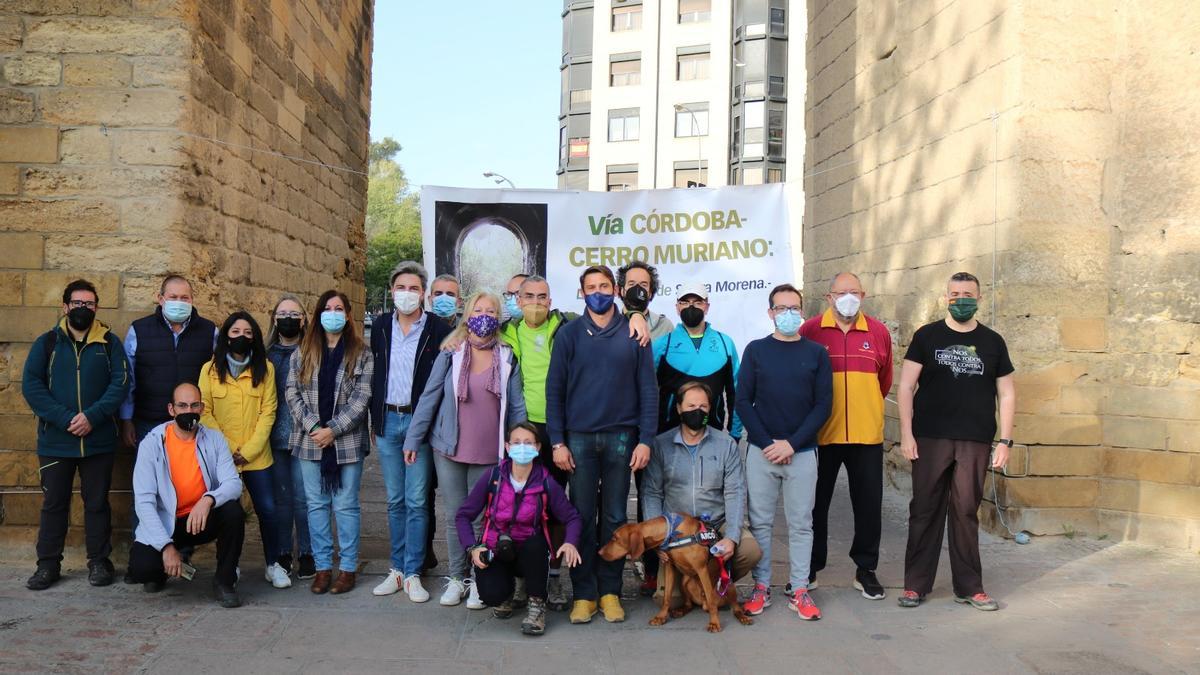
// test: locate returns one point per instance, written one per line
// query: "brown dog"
(693, 564)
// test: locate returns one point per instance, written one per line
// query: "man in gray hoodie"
(185, 493)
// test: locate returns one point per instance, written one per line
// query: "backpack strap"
(493, 490)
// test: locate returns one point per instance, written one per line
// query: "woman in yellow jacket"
(238, 390)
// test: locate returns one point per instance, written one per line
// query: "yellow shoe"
(583, 611)
(611, 606)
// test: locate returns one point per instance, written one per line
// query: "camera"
(505, 550)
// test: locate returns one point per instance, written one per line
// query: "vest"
(159, 365)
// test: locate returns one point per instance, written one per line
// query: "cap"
(692, 288)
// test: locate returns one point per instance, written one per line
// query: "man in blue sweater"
(784, 395)
(601, 416)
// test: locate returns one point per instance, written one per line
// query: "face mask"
(406, 301)
(333, 322)
(636, 299)
(692, 316)
(177, 311)
(510, 308)
(444, 306)
(483, 325)
(187, 421)
(788, 322)
(288, 328)
(847, 305)
(694, 419)
(522, 453)
(535, 315)
(241, 344)
(962, 309)
(81, 318)
(599, 303)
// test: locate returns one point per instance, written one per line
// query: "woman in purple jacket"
(516, 498)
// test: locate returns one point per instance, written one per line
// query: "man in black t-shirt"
(953, 373)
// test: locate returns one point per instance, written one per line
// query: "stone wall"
(104, 174)
(1049, 148)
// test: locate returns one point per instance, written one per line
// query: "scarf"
(236, 367)
(493, 384)
(331, 478)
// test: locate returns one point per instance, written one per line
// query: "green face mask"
(962, 309)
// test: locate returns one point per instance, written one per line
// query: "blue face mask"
(522, 453)
(599, 303)
(510, 307)
(177, 311)
(444, 306)
(333, 322)
(788, 322)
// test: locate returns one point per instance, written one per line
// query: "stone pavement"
(1068, 606)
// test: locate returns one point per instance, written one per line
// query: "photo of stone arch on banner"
(484, 245)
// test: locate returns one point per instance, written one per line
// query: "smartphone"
(187, 571)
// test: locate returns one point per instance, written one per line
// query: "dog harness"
(706, 536)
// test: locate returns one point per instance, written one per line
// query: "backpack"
(51, 342)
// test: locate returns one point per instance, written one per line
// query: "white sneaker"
(278, 576)
(416, 592)
(473, 601)
(390, 583)
(455, 590)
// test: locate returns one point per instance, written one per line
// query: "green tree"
(393, 219)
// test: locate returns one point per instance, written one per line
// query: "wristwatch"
(558, 445)
(1006, 441)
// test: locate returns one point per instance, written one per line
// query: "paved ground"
(1069, 606)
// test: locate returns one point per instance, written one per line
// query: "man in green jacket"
(75, 378)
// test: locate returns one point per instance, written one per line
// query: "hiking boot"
(649, 586)
(760, 599)
(583, 611)
(865, 581)
(610, 604)
(307, 567)
(980, 601)
(802, 604)
(535, 617)
(43, 578)
(519, 597)
(101, 572)
(454, 593)
(226, 596)
(503, 610)
(556, 598)
(910, 599)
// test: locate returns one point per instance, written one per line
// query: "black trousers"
(532, 562)
(226, 525)
(864, 470)
(95, 478)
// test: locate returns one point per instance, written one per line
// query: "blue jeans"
(261, 486)
(342, 505)
(407, 487)
(290, 505)
(600, 479)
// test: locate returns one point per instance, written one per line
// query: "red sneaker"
(649, 586)
(760, 599)
(981, 601)
(802, 604)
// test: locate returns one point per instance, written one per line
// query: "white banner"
(735, 240)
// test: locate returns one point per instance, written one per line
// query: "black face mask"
(241, 345)
(636, 299)
(81, 318)
(288, 328)
(694, 419)
(187, 421)
(692, 316)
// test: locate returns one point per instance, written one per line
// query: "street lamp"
(679, 107)
(499, 179)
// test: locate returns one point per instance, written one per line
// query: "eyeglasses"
(508, 296)
(691, 303)
(189, 406)
(76, 304)
(786, 308)
(540, 297)
(289, 315)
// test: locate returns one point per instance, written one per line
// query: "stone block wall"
(105, 173)
(1046, 147)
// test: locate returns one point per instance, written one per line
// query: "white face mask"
(406, 301)
(847, 305)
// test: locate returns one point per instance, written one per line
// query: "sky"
(469, 86)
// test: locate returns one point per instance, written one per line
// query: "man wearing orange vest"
(860, 348)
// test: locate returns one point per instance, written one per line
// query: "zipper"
(78, 385)
(846, 380)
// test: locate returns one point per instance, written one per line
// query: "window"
(755, 118)
(695, 11)
(692, 67)
(686, 172)
(623, 125)
(626, 18)
(735, 145)
(578, 148)
(622, 178)
(692, 120)
(625, 73)
(774, 175)
(580, 98)
(775, 86)
(778, 22)
(775, 124)
(752, 175)
(562, 146)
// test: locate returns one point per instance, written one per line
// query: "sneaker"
(812, 584)
(413, 588)
(583, 611)
(909, 599)
(390, 584)
(101, 572)
(430, 560)
(610, 604)
(278, 576)
(760, 599)
(980, 601)
(473, 600)
(556, 598)
(865, 581)
(454, 593)
(649, 586)
(285, 561)
(307, 567)
(503, 610)
(519, 597)
(43, 578)
(534, 622)
(802, 604)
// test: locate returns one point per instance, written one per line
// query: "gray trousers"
(798, 483)
(455, 480)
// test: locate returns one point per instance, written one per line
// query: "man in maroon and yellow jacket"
(860, 348)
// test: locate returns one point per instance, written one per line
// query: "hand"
(563, 458)
(452, 343)
(323, 437)
(238, 459)
(639, 330)
(410, 457)
(172, 563)
(641, 457)
(779, 452)
(663, 557)
(569, 555)
(727, 546)
(476, 557)
(80, 426)
(128, 434)
(198, 518)
(1000, 456)
(908, 448)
